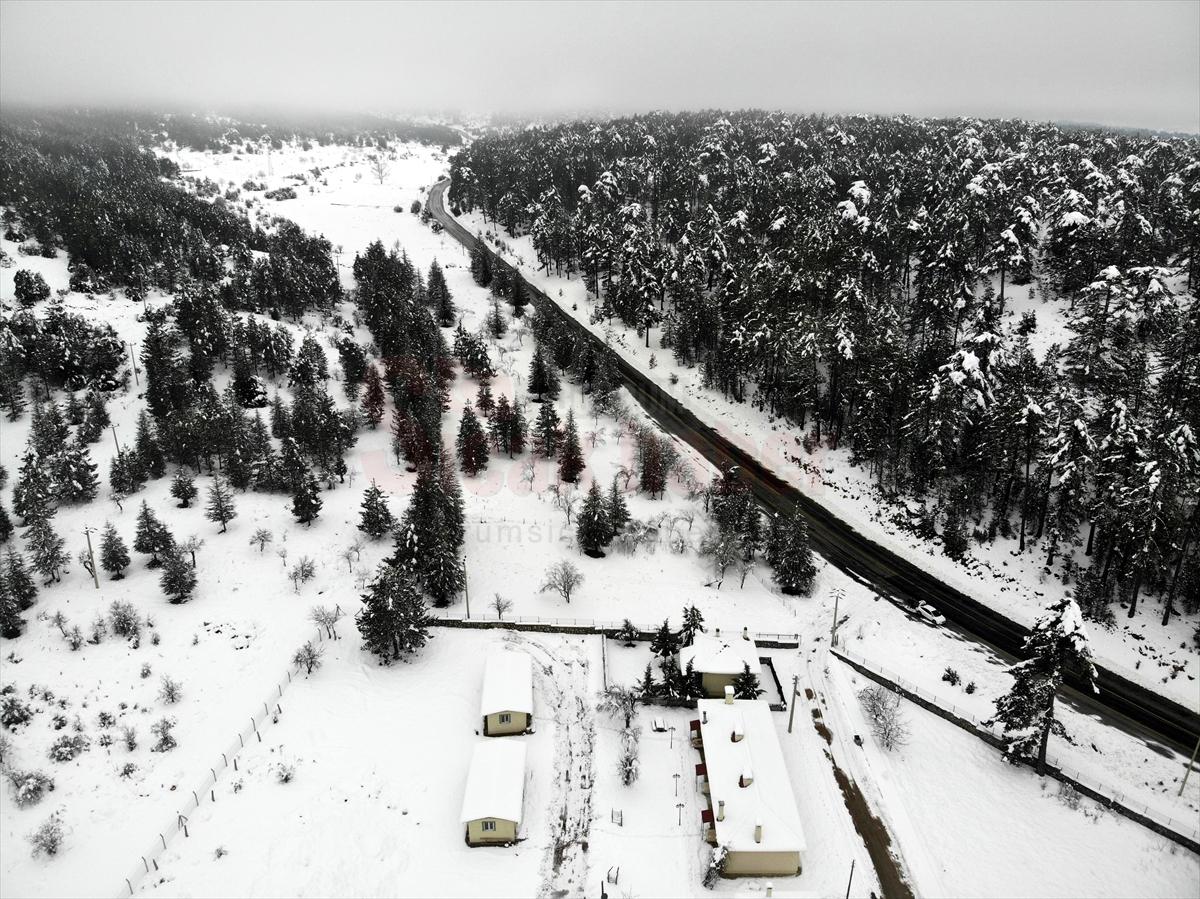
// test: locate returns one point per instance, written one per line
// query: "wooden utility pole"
(133, 365)
(466, 587)
(851, 880)
(795, 696)
(87, 532)
(837, 595)
(1191, 762)
(117, 445)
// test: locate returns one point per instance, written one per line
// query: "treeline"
(851, 275)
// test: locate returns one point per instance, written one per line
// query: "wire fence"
(1183, 827)
(592, 625)
(268, 710)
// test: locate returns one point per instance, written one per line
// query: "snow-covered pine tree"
(19, 580)
(183, 488)
(148, 449)
(6, 525)
(178, 579)
(376, 518)
(1058, 642)
(373, 400)
(499, 427)
(472, 443)
(11, 622)
(647, 687)
(220, 508)
(34, 490)
(693, 623)
(570, 462)
(393, 621)
(746, 685)
(114, 555)
(306, 500)
(46, 550)
(790, 555)
(592, 531)
(666, 641)
(545, 431)
(151, 536)
(74, 473)
(616, 510)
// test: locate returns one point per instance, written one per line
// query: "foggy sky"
(1113, 63)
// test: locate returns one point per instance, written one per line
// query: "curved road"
(1118, 701)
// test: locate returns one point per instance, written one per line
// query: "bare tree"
(501, 605)
(379, 167)
(327, 618)
(191, 545)
(566, 501)
(563, 578)
(260, 539)
(883, 711)
(625, 473)
(308, 657)
(302, 572)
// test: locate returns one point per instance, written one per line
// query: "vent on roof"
(738, 733)
(720, 809)
(729, 695)
(758, 833)
(745, 633)
(746, 778)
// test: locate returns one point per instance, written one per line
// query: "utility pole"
(1191, 762)
(466, 586)
(133, 364)
(851, 880)
(117, 445)
(795, 695)
(837, 595)
(87, 532)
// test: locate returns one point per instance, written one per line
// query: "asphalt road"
(1118, 701)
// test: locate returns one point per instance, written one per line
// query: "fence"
(1181, 831)
(270, 708)
(592, 626)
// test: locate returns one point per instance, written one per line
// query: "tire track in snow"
(565, 688)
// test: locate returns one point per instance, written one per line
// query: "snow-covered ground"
(1162, 658)
(369, 743)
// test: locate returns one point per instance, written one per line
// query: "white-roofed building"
(719, 659)
(495, 793)
(507, 703)
(752, 809)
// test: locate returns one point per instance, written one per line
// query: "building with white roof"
(507, 703)
(719, 659)
(752, 809)
(495, 793)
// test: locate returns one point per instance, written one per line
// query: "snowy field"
(381, 753)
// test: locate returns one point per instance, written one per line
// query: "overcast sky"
(1109, 62)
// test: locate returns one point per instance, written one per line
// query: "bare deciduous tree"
(563, 578)
(326, 618)
(308, 657)
(501, 605)
(260, 539)
(883, 711)
(379, 167)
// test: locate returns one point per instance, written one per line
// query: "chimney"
(720, 809)
(704, 716)
(758, 833)
(729, 694)
(745, 633)
(717, 633)
(770, 889)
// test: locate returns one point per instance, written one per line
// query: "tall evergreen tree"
(151, 536)
(372, 401)
(114, 555)
(220, 508)
(149, 451)
(20, 582)
(693, 623)
(592, 530)
(11, 622)
(790, 555)
(393, 621)
(745, 685)
(616, 510)
(472, 443)
(665, 642)
(306, 501)
(570, 462)
(545, 431)
(376, 518)
(1057, 643)
(183, 488)
(178, 579)
(46, 550)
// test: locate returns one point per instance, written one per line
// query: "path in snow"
(566, 687)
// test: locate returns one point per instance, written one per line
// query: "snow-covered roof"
(507, 683)
(711, 654)
(768, 800)
(496, 782)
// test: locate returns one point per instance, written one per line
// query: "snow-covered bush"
(66, 748)
(169, 690)
(145, 670)
(285, 772)
(14, 711)
(47, 839)
(716, 866)
(127, 770)
(124, 619)
(107, 719)
(951, 677)
(129, 737)
(29, 786)
(166, 740)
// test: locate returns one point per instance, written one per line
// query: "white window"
(489, 825)
(505, 718)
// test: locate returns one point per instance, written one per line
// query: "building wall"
(762, 864)
(505, 832)
(714, 684)
(493, 728)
